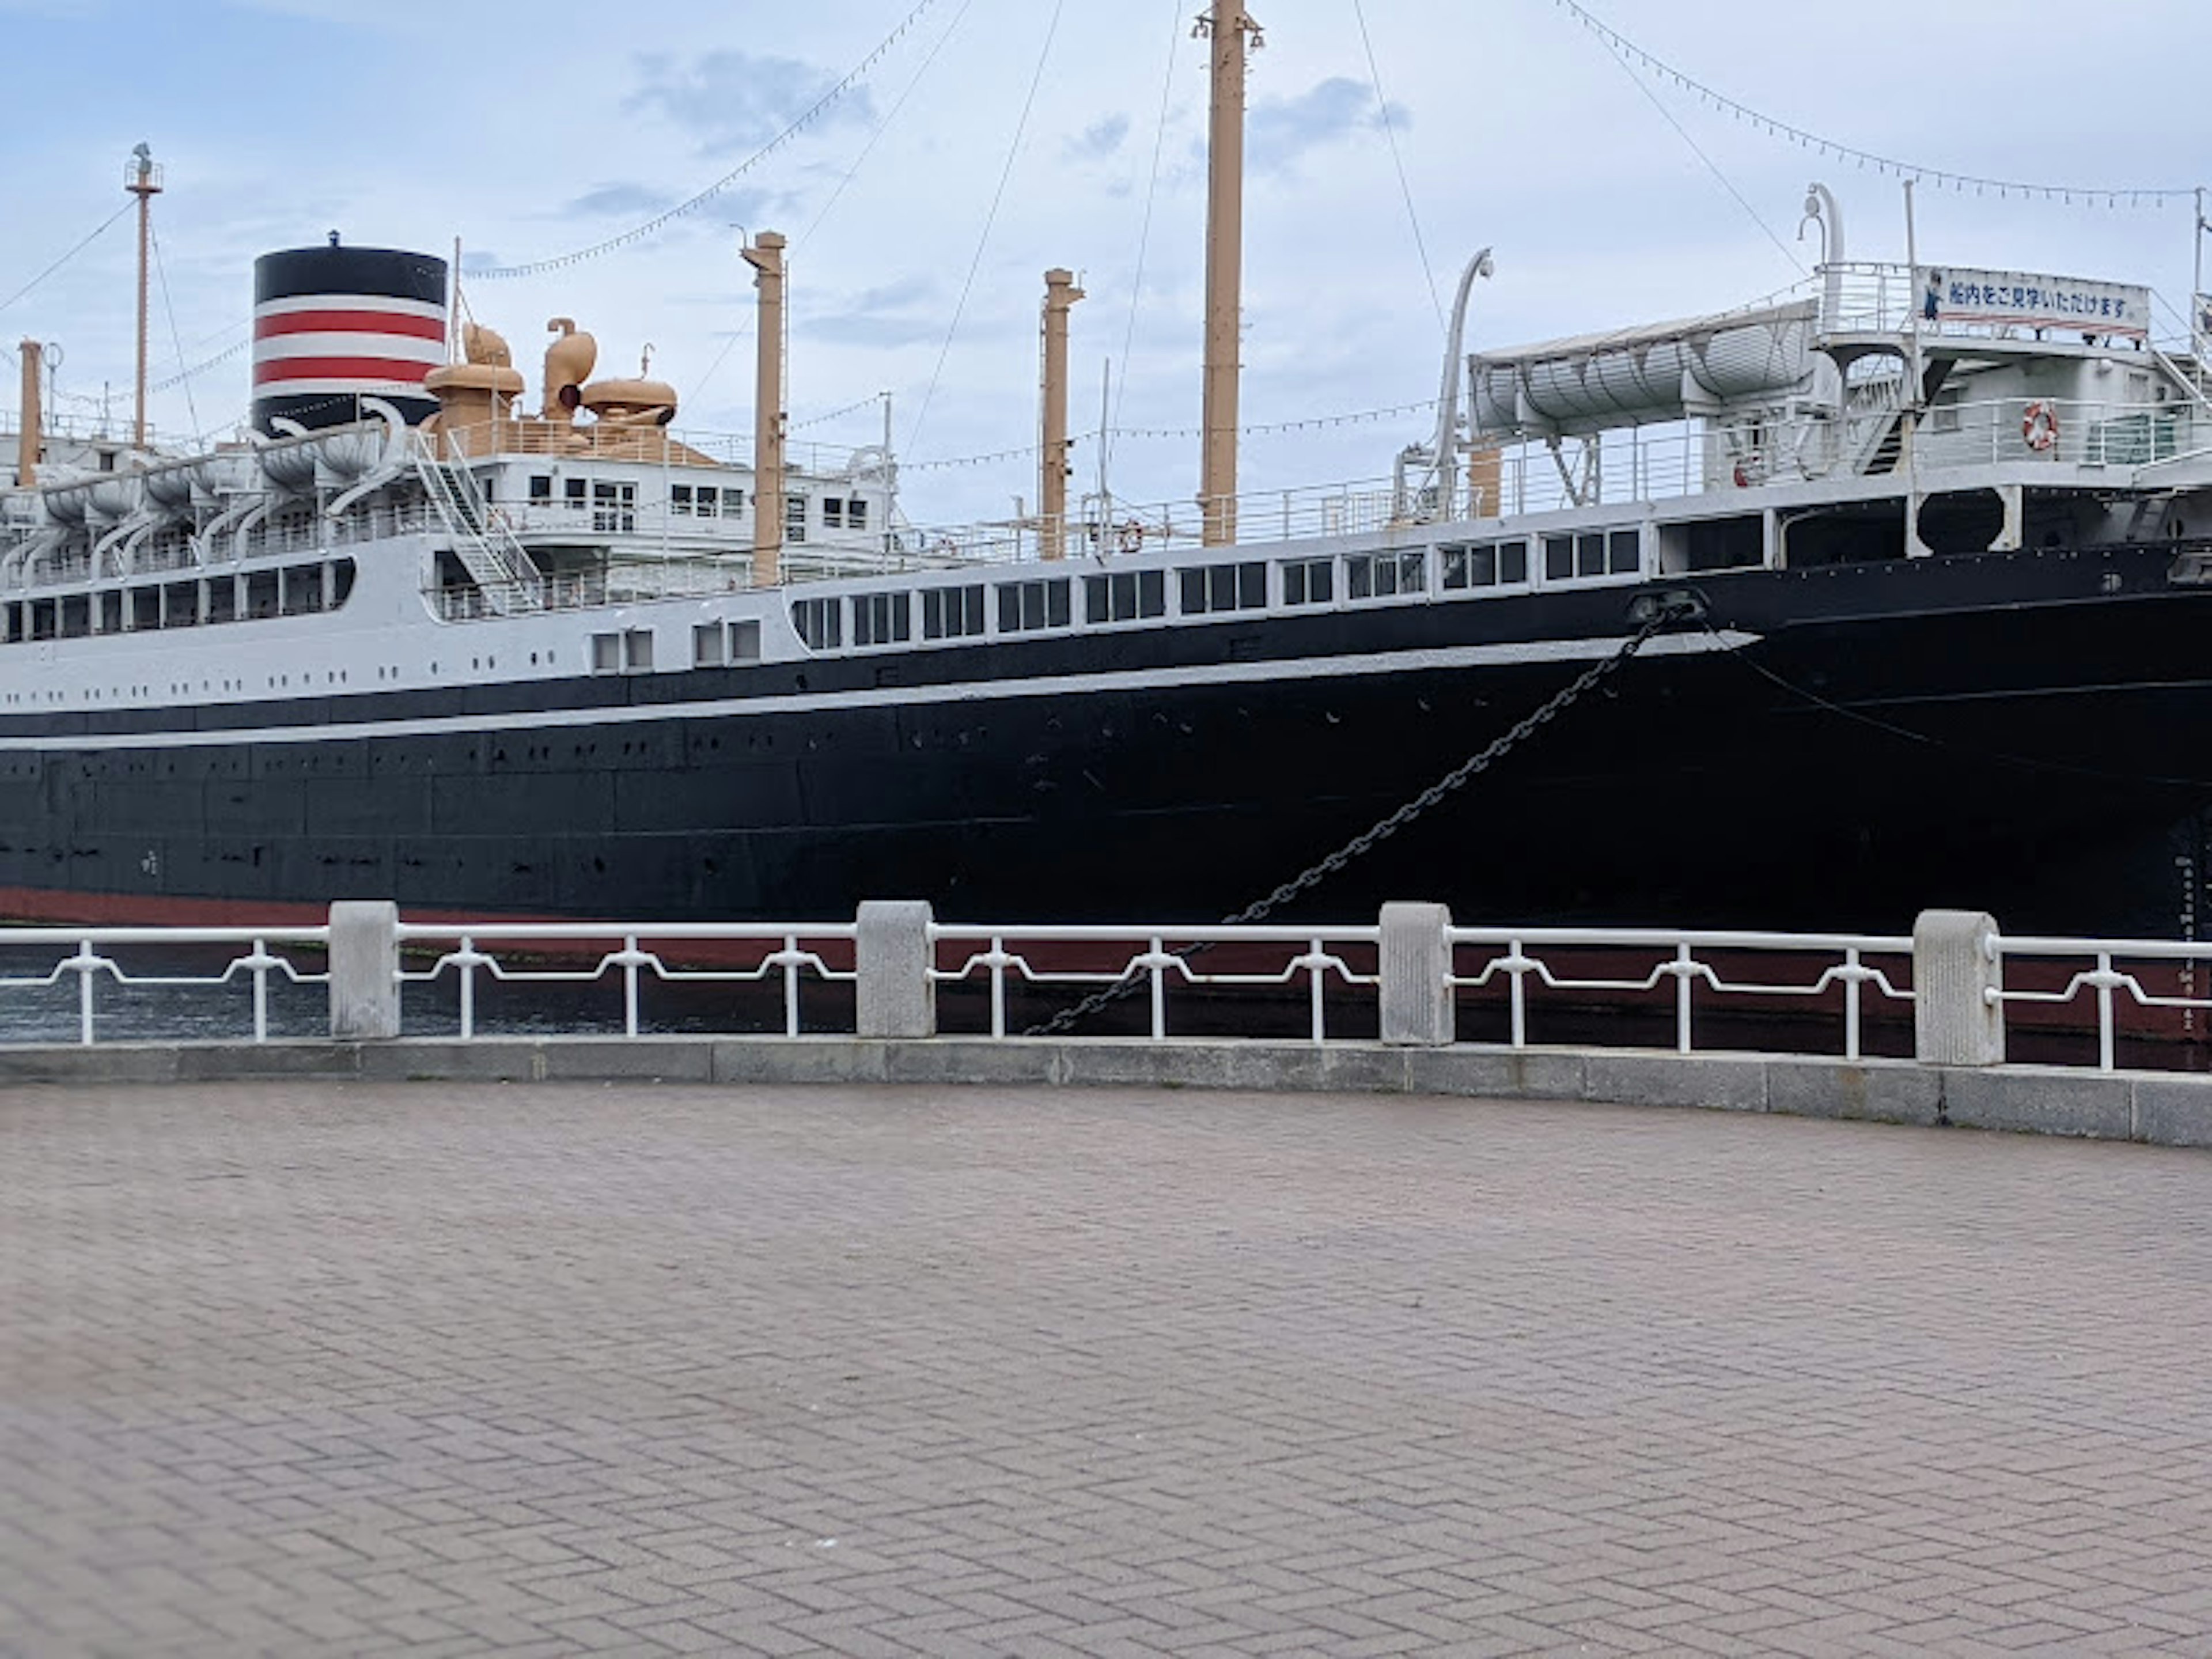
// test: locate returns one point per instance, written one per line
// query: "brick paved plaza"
(429, 1370)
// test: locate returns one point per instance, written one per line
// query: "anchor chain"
(1670, 608)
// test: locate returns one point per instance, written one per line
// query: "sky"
(1388, 140)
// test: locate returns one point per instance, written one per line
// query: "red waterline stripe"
(340, 368)
(350, 322)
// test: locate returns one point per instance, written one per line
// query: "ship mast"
(143, 178)
(765, 256)
(28, 441)
(1225, 25)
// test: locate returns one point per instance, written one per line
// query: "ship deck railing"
(2100, 1005)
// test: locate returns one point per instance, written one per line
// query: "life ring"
(2039, 426)
(1130, 538)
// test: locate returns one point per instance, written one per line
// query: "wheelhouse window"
(1025, 607)
(614, 508)
(1223, 587)
(856, 513)
(1309, 582)
(1592, 553)
(1125, 596)
(833, 513)
(882, 618)
(951, 613)
(576, 492)
(1483, 564)
(820, 623)
(1384, 575)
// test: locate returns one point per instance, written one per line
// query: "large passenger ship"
(1913, 565)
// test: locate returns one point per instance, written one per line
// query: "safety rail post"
(1957, 983)
(1158, 957)
(262, 962)
(629, 985)
(468, 960)
(1320, 1015)
(2106, 979)
(364, 971)
(86, 965)
(894, 950)
(1684, 969)
(1852, 975)
(1419, 1008)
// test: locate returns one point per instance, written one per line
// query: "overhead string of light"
(1944, 177)
(1311, 423)
(839, 89)
(89, 239)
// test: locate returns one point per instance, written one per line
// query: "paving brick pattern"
(438, 1370)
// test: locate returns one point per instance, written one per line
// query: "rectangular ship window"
(745, 642)
(614, 508)
(179, 605)
(637, 650)
(541, 490)
(856, 513)
(1211, 588)
(1309, 582)
(881, 619)
(734, 502)
(709, 645)
(833, 518)
(1559, 558)
(1125, 596)
(1025, 607)
(795, 518)
(576, 492)
(1624, 552)
(820, 623)
(679, 500)
(951, 613)
(607, 653)
(1384, 575)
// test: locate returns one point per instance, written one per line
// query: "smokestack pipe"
(27, 444)
(1061, 295)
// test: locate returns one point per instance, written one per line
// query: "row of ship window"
(612, 504)
(299, 590)
(1039, 604)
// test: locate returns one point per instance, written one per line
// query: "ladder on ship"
(496, 562)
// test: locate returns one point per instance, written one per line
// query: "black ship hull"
(1836, 748)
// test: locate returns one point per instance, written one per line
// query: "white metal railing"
(2164, 977)
(1156, 960)
(531, 954)
(95, 959)
(1683, 962)
(2062, 999)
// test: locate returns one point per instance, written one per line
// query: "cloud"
(899, 313)
(1280, 131)
(629, 201)
(733, 101)
(1101, 139)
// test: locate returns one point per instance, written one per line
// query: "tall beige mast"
(765, 256)
(34, 418)
(143, 178)
(1225, 25)
(1061, 295)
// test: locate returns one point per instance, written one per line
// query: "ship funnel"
(334, 325)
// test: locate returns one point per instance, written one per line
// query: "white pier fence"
(1954, 993)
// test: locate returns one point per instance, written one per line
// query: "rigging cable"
(34, 282)
(161, 269)
(1145, 232)
(838, 90)
(1627, 50)
(1711, 166)
(823, 212)
(1013, 155)
(1397, 161)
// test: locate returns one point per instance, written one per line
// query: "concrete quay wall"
(2160, 1109)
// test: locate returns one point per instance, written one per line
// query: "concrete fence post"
(1957, 1020)
(897, 997)
(364, 971)
(1418, 1010)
